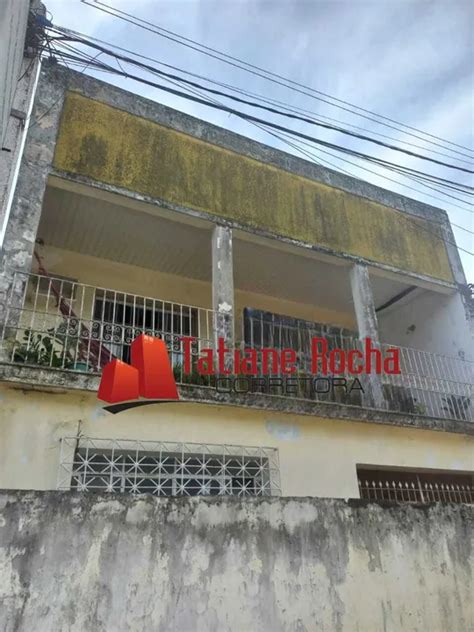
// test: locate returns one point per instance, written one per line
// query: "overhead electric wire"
(92, 60)
(313, 159)
(204, 101)
(396, 167)
(408, 217)
(414, 178)
(380, 175)
(269, 75)
(272, 110)
(339, 168)
(286, 106)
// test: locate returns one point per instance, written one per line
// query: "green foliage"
(44, 349)
(194, 378)
(457, 406)
(401, 398)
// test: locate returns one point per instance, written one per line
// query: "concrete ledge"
(61, 381)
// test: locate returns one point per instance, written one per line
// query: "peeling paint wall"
(160, 162)
(84, 562)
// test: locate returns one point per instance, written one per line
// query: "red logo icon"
(149, 375)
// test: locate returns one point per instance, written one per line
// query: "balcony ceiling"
(101, 228)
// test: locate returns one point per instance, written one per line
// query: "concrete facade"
(366, 322)
(251, 186)
(75, 562)
(224, 232)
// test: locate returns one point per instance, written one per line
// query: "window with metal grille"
(415, 486)
(266, 329)
(122, 321)
(168, 469)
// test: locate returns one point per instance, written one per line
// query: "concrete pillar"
(20, 220)
(223, 285)
(368, 328)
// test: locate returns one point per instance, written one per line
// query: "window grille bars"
(415, 491)
(167, 469)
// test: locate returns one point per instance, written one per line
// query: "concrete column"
(367, 326)
(20, 219)
(223, 285)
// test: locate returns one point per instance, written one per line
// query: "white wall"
(428, 321)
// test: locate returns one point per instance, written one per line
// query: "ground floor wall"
(318, 457)
(85, 562)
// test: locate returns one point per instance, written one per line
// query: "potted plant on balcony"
(39, 349)
(54, 348)
(457, 406)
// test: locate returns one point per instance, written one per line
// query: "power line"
(311, 157)
(273, 110)
(268, 75)
(408, 217)
(282, 104)
(307, 153)
(380, 175)
(205, 101)
(414, 178)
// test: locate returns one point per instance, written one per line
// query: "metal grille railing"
(167, 469)
(416, 491)
(429, 384)
(62, 324)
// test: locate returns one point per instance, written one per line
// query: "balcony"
(74, 328)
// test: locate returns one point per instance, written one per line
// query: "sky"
(409, 60)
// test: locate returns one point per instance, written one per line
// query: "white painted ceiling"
(101, 228)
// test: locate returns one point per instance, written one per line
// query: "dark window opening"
(120, 322)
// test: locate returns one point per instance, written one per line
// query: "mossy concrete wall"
(162, 163)
(90, 563)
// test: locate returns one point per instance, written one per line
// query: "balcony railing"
(63, 325)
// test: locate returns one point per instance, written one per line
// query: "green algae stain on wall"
(112, 146)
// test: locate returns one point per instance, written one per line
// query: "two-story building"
(130, 217)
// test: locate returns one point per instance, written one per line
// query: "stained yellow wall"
(118, 148)
(318, 457)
